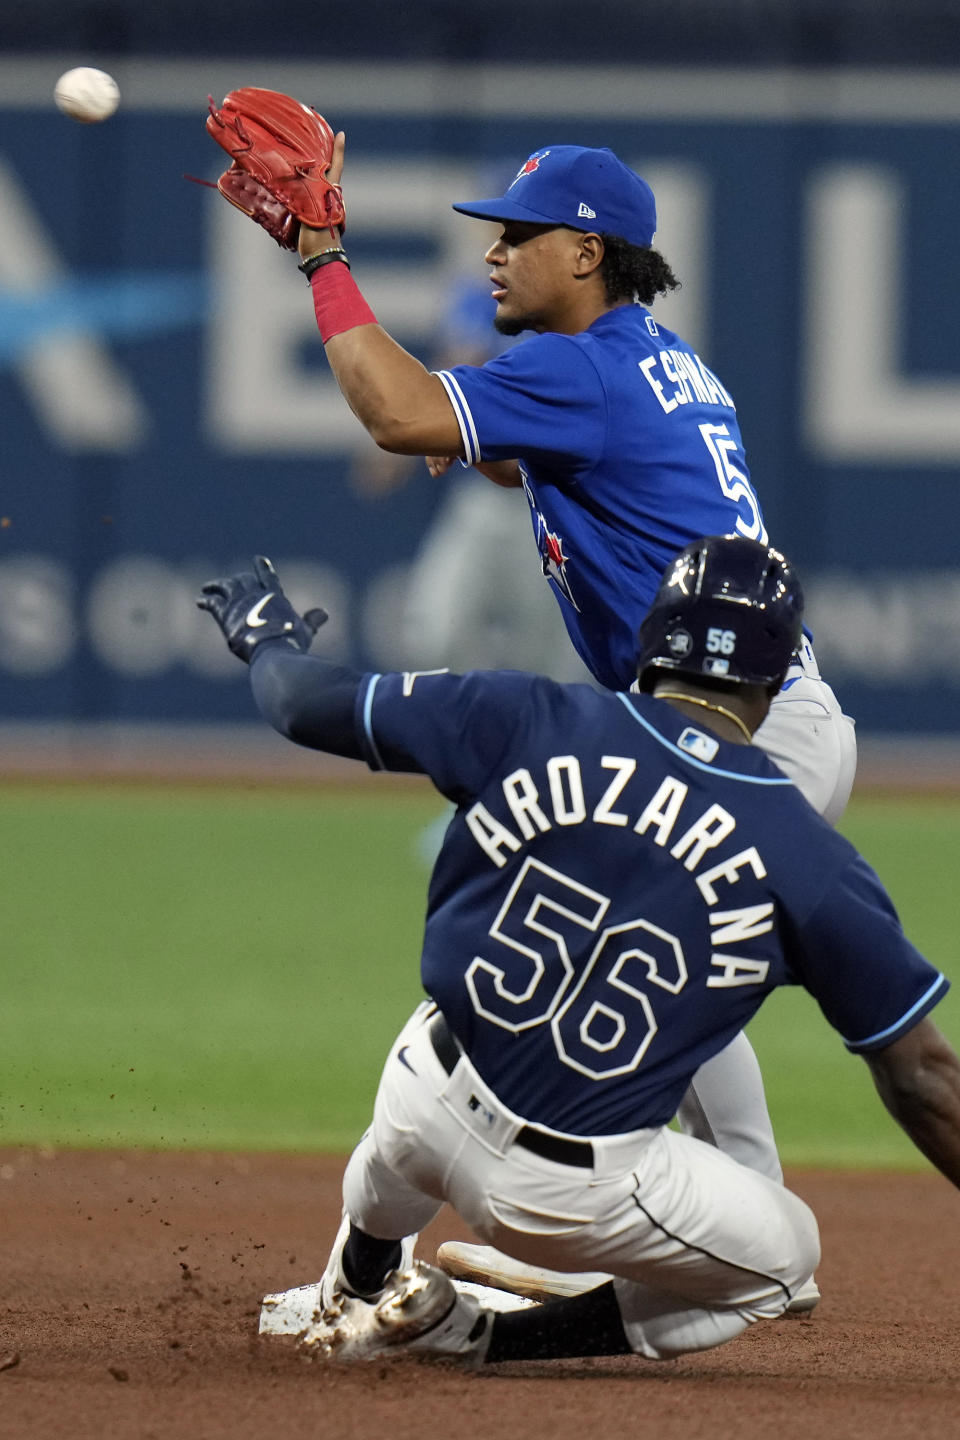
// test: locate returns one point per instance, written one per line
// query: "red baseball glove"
(281, 150)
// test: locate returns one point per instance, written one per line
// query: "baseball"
(87, 95)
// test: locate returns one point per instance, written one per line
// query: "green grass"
(199, 968)
(225, 968)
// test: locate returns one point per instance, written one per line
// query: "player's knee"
(804, 1240)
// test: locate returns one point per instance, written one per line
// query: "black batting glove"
(251, 608)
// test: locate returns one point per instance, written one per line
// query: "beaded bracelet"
(323, 257)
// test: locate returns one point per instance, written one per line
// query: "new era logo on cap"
(548, 187)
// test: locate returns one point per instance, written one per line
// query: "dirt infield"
(131, 1284)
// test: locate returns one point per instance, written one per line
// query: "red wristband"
(337, 301)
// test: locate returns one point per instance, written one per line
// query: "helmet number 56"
(720, 642)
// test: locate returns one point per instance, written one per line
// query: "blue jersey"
(629, 448)
(619, 891)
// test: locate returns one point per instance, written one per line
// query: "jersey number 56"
(595, 996)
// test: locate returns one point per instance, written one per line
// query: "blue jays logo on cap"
(527, 168)
(575, 186)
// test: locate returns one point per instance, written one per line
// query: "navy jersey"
(629, 448)
(619, 890)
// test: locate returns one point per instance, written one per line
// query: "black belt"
(550, 1147)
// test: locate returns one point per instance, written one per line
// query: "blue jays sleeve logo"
(554, 560)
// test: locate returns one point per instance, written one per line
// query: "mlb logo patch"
(694, 742)
(481, 1110)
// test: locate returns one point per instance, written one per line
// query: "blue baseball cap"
(578, 187)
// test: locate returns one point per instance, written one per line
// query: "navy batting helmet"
(729, 610)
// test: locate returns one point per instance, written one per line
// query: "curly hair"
(634, 271)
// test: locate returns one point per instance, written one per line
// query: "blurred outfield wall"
(166, 410)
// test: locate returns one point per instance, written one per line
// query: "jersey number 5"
(599, 1007)
(733, 482)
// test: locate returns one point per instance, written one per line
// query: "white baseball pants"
(808, 736)
(700, 1246)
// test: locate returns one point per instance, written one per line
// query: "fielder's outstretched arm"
(918, 1079)
(277, 145)
(403, 407)
(399, 402)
